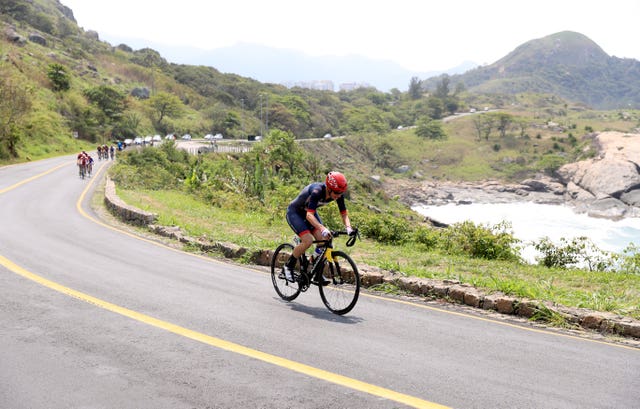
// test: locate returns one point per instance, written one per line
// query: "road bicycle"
(82, 170)
(333, 271)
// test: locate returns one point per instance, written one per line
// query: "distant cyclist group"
(104, 152)
(85, 161)
(85, 164)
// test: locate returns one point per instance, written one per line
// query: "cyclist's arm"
(343, 211)
(311, 218)
(345, 219)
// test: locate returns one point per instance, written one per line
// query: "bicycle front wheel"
(287, 290)
(340, 295)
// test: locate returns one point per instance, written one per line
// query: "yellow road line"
(226, 345)
(213, 341)
(6, 189)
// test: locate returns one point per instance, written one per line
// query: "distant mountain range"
(288, 66)
(566, 64)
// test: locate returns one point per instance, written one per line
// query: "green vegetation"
(66, 83)
(218, 196)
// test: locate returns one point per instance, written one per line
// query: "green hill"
(566, 64)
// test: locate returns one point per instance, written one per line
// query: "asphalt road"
(93, 317)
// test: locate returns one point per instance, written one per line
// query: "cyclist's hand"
(326, 233)
(350, 230)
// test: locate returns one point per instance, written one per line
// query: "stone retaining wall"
(123, 211)
(452, 291)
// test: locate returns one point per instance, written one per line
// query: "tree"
(503, 122)
(283, 149)
(415, 88)
(127, 127)
(110, 101)
(442, 89)
(15, 104)
(428, 128)
(435, 107)
(58, 76)
(164, 105)
(483, 125)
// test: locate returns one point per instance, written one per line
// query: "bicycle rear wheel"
(287, 290)
(341, 294)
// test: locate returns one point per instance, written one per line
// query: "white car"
(218, 136)
(138, 140)
(148, 139)
(170, 137)
(157, 138)
(186, 137)
(208, 136)
(128, 142)
(327, 136)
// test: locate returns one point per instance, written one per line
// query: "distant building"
(325, 85)
(350, 86)
(322, 85)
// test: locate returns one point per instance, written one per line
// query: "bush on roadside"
(479, 241)
(578, 252)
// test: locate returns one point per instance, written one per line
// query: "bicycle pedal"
(325, 282)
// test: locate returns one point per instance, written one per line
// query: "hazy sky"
(420, 35)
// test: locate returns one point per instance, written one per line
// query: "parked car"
(157, 138)
(148, 139)
(128, 142)
(170, 137)
(327, 136)
(208, 136)
(186, 137)
(138, 140)
(218, 136)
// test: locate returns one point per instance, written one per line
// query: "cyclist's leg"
(302, 228)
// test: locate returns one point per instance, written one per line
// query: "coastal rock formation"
(606, 186)
(609, 184)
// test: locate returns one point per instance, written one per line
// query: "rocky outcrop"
(609, 184)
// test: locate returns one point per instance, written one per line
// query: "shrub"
(383, 228)
(580, 251)
(478, 241)
(630, 260)
(426, 236)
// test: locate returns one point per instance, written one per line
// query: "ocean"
(531, 221)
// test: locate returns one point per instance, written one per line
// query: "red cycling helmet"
(336, 182)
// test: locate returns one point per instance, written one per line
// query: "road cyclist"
(332, 271)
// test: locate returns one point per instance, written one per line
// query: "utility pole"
(267, 116)
(244, 135)
(261, 118)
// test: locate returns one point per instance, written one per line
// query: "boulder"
(632, 198)
(141, 93)
(38, 39)
(607, 207)
(606, 186)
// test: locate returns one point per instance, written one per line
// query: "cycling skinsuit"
(308, 201)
